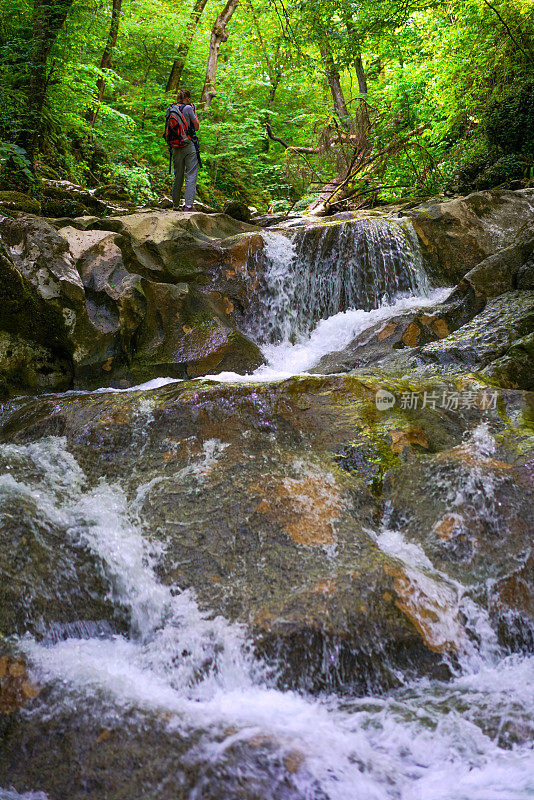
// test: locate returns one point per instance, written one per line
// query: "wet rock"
(468, 507)
(516, 367)
(237, 210)
(457, 234)
(405, 331)
(46, 579)
(505, 271)
(512, 606)
(16, 687)
(100, 754)
(487, 337)
(495, 343)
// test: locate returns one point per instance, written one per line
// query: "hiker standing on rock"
(181, 125)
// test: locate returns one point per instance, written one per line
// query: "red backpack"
(176, 135)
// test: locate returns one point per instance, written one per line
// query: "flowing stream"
(427, 740)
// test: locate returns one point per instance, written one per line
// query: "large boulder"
(34, 346)
(186, 334)
(457, 234)
(503, 272)
(405, 331)
(115, 325)
(488, 336)
(266, 503)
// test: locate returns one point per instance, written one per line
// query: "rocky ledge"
(115, 301)
(92, 302)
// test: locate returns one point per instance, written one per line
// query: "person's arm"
(196, 123)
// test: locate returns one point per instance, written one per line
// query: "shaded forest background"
(339, 104)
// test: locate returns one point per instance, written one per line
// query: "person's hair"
(184, 96)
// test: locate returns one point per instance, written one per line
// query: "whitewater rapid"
(429, 739)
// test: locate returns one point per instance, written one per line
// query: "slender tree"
(219, 35)
(48, 19)
(183, 48)
(334, 82)
(105, 61)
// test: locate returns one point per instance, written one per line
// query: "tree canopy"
(339, 104)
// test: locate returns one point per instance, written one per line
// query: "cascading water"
(314, 272)
(430, 739)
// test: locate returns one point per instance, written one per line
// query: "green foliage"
(14, 164)
(460, 68)
(136, 180)
(507, 168)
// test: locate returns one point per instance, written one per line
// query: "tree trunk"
(48, 19)
(219, 34)
(183, 49)
(360, 74)
(363, 122)
(274, 69)
(332, 75)
(105, 61)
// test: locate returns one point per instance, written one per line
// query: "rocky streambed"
(296, 562)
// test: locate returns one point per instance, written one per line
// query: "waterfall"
(313, 272)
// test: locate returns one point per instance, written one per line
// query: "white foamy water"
(335, 333)
(429, 740)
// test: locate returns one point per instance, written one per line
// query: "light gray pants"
(185, 163)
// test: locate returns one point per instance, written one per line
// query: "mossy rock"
(51, 207)
(27, 366)
(72, 193)
(114, 192)
(17, 201)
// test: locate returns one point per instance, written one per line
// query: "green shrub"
(15, 168)
(136, 180)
